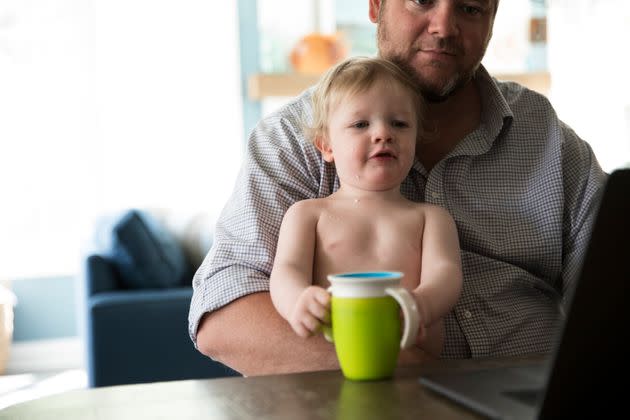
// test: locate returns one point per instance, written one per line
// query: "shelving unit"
(263, 85)
(537, 81)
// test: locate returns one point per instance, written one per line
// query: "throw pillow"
(146, 254)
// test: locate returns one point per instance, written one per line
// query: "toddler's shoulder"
(306, 207)
(429, 210)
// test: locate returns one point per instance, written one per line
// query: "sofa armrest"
(100, 275)
(142, 336)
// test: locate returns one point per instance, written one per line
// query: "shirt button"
(467, 314)
(436, 195)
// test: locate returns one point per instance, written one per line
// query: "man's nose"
(443, 19)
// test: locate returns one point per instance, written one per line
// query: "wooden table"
(314, 395)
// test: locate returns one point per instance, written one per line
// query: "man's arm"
(231, 317)
(252, 338)
(584, 180)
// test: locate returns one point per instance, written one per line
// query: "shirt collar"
(496, 116)
(495, 111)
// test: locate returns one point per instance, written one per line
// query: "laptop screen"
(589, 352)
(581, 379)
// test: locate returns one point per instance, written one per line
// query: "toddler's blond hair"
(355, 75)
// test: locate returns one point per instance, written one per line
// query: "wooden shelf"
(263, 85)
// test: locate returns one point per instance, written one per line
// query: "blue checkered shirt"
(522, 189)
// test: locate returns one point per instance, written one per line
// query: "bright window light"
(109, 104)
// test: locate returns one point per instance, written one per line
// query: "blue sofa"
(137, 292)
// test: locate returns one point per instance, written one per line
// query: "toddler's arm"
(441, 277)
(303, 305)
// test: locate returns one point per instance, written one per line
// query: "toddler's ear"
(323, 145)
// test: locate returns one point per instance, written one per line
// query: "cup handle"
(410, 313)
(327, 329)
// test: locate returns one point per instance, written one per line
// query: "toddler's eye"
(360, 124)
(399, 124)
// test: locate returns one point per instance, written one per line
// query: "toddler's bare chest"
(371, 237)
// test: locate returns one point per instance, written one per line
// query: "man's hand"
(311, 310)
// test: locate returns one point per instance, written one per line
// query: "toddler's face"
(372, 136)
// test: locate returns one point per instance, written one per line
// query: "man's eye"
(422, 2)
(471, 10)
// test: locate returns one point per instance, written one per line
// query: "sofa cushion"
(145, 253)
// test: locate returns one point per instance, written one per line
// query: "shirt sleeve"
(279, 168)
(584, 181)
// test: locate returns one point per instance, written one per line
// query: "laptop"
(584, 377)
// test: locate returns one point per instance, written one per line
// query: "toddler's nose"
(381, 133)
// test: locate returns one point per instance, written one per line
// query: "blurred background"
(114, 104)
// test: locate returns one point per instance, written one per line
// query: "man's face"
(439, 42)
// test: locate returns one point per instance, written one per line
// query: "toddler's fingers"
(318, 311)
(301, 330)
(311, 324)
(323, 297)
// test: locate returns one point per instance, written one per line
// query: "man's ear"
(323, 145)
(375, 8)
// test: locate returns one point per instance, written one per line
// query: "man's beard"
(431, 93)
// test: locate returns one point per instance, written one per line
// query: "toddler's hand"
(311, 310)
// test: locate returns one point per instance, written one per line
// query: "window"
(108, 104)
(589, 74)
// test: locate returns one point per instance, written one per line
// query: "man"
(519, 183)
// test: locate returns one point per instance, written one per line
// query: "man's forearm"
(250, 336)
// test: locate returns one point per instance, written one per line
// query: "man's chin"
(431, 81)
(440, 91)
(437, 89)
